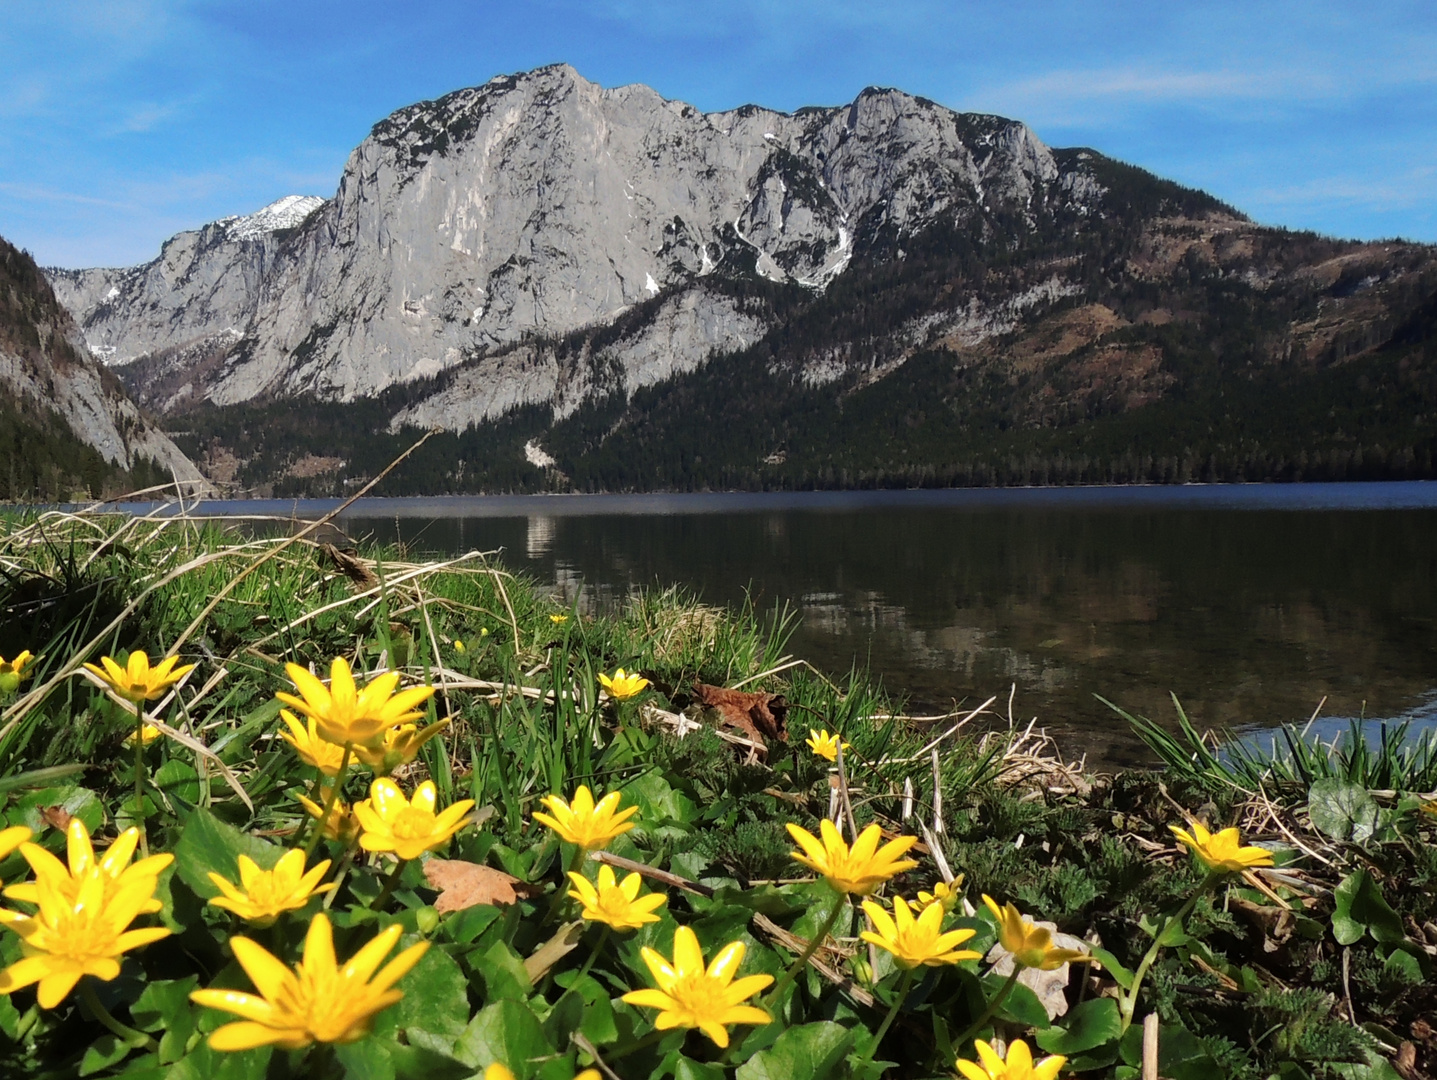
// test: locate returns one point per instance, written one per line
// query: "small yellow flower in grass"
(1222, 852)
(858, 871)
(590, 826)
(692, 996)
(342, 826)
(409, 828)
(558, 620)
(318, 1001)
(137, 681)
(12, 671)
(148, 734)
(264, 895)
(1019, 1065)
(458, 645)
(623, 685)
(345, 714)
(114, 868)
(399, 746)
(824, 745)
(617, 904)
(919, 941)
(501, 1072)
(74, 936)
(1031, 946)
(1430, 808)
(946, 893)
(311, 749)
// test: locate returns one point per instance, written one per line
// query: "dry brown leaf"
(758, 716)
(57, 817)
(463, 884)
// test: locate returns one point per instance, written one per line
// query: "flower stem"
(904, 986)
(637, 1045)
(594, 953)
(802, 959)
(1128, 1001)
(127, 1035)
(993, 1006)
(389, 883)
(140, 778)
(334, 791)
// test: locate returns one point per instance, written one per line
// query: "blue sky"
(125, 121)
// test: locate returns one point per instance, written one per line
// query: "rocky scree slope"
(66, 423)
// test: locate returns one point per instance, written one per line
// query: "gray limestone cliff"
(466, 229)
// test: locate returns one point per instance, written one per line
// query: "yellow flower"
(689, 996)
(1430, 807)
(12, 838)
(591, 827)
(623, 686)
(114, 869)
(1031, 946)
(12, 671)
(74, 936)
(501, 1072)
(616, 904)
(313, 750)
(148, 734)
(946, 893)
(1019, 1065)
(264, 895)
(459, 647)
(319, 1001)
(342, 826)
(390, 822)
(1222, 852)
(137, 681)
(399, 746)
(858, 871)
(824, 745)
(558, 620)
(916, 941)
(345, 714)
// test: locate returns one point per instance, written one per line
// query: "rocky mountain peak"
(541, 203)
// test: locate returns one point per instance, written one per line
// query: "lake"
(1251, 603)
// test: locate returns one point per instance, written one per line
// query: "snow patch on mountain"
(285, 213)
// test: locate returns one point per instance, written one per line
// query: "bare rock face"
(465, 229)
(44, 365)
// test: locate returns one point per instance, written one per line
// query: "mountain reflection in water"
(1250, 604)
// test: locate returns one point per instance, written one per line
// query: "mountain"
(604, 288)
(66, 424)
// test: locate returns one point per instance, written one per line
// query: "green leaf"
(806, 1052)
(506, 1032)
(178, 780)
(102, 1053)
(367, 1059)
(1021, 1004)
(503, 973)
(1090, 1025)
(464, 926)
(436, 997)
(1358, 908)
(689, 1069)
(76, 801)
(1121, 975)
(166, 1005)
(209, 845)
(207, 1064)
(422, 1063)
(1342, 810)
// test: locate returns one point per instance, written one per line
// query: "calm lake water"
(1250, 603)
